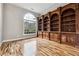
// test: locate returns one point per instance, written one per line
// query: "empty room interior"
(39, 29)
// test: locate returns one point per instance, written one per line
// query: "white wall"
(13, 22)
(0, 22)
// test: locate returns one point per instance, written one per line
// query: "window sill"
(30, 34)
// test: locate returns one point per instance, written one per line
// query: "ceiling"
(40, 8)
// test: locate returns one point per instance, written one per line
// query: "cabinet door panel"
(54, 37)
(68, 39)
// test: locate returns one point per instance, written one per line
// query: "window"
(29, 24)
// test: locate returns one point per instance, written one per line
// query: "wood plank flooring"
(50, 48)
(44, 48)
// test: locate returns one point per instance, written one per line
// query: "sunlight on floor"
(30, 48)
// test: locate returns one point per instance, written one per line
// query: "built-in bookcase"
(62, 24)
(68, 21)
(54, 23)
(45, 24)
(39, 24)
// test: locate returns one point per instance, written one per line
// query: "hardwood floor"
(44, 48)
(50, 48)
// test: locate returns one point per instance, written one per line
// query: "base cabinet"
(55, 37)
(77, 40)
(40, 34)
(45, 35)
(69, 39)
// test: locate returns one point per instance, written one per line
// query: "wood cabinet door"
(77, 19)
(54, 37)
(40, 34)
(63, 38)
(43, 35)
(68, 39)
(77, 40)
(71, 39)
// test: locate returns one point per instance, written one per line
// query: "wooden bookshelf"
(68, 21)
(61, 24)
(68, 24)
(45, 23)
(54, 23)
(40, 23)
(40, 26)
(46, 26)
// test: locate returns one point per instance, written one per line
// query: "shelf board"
(68, 20)
(68, 24)
(68, 15)
(54, 31)
(54, 20)
(46, 20)
(45, 30)
(69, 32)
(46, 23)
(55, 24)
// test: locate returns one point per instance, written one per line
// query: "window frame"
(35, 25)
